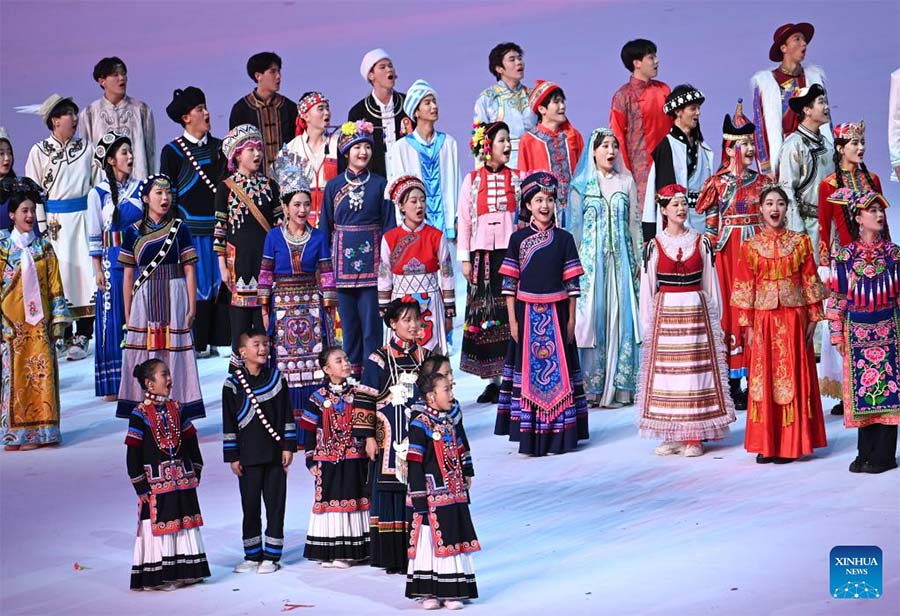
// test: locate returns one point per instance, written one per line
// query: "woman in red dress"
(778, 298)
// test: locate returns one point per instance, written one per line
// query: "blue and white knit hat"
(414, 95)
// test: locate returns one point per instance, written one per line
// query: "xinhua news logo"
(856, 572)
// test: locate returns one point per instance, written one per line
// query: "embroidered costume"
(680, 159)
(777, 292)
(382, 400)
(639, 124)
(196, 166)
(837, 228)
(296, 287)
(487, 218)
(806, 159)
(389, 119)
(730, 201)
(601, 212)
(683, 390)
(542, 149)
(63, 171)
(276, 119)
(772, 89)
(164, 464)
(542, 404)
(157, 325)
(339, 523)
(434, 161)
(442, 536)
(864, 314)
(258, 425)
(354, 216)
(417, 262)
(247, 207)
(500, 103)
(129, 117)
(33, 308)
(106, 228)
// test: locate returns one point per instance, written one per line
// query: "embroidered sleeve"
(59, 308)
(465, 455)
(266, 271)
(708, 202)
(836, 305)
(94, 221)
(187, 254)
(760, 137)
(326, 277)
(221, 230)
(572, 269)
(135, 458)
(464, 214)
(363, 418)
(618, 123)
(448, 282)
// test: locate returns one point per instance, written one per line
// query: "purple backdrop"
(52, 46)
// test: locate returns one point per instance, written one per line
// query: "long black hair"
(113, 182)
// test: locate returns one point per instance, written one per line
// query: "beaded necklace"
(162, 414)
(242, 379)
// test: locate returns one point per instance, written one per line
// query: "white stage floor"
(609, 529)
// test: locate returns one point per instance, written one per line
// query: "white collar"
(190, 138)
(26, 238)
(406, 227)
(389, 106)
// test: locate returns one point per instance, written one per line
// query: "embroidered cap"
(850, 130)
(352, 133)
(670, 192)
(290, 173)
(108, 145)
(310, 100)
(681, 97)
(541, 92)
(237, 138)
(537, 182)
(417, 91)
(737, 127)
(400, 187)
(157, 179)
(857, 200)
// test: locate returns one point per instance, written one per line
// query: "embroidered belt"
(66, 206)
(742, 220)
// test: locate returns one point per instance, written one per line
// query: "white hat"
(46, 108)
(4, 134)
(371, 59)
(414, 95)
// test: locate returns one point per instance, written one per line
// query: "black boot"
(838, 409)
(738, 395)
(490, 394)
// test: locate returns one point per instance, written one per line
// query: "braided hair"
(838, 173)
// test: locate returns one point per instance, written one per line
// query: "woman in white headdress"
(603, 206)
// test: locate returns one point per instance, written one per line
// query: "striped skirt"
(158, 329)
(683, 382)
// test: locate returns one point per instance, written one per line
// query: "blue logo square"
(856, 572)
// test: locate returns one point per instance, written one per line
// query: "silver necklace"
(358, 191)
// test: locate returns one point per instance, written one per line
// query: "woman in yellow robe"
(34, 313)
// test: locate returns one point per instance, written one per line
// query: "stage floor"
(609, 529)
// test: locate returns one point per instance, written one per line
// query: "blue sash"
(66, 206)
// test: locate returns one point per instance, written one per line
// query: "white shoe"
(61, 349)
(247, 565)
(327, 564)
(78, 348)
(431, 604)
(692, 451)
(268, 566)
(669, 448)
(453, 605)
(340, 564)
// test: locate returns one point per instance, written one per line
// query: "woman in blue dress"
(159, 287)
(113, 205)
(602, 208)
(542, 405)
(296, 286)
